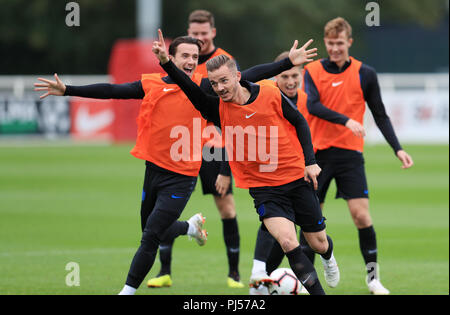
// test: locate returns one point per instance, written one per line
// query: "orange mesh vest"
(301, 103)
(262, 146)
(169, 127)
(202, 67)
(342, 93)
(301, 97)
(215, 139)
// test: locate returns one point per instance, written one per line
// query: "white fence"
(418, 104)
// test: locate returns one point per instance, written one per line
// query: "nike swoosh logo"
(334, 84)
(306, 280)
(167, 90)
(248, 116)
(320, 222)
(176, 197)
(87, 123)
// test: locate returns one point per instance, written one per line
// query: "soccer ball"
(284, 282)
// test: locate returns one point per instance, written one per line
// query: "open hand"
(299, 56)
(52, 87)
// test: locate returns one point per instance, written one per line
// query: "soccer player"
(279, 182)
(268, 253)
(215, 175)
(168, 181)
(338, 88)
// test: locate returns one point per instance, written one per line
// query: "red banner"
(92, 119)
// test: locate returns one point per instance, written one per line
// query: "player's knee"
(150, 240)
(320, 248)
(288, 243)
(228, 213)
(362, 219)
(227, 210)
(319, 245)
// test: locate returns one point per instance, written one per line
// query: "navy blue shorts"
(296, 201)
(346, 167)
(208, 175)
(164, 197)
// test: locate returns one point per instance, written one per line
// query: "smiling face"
(225, 82)
(186, 58)
(289, 81)
(204, 32)
(338, 47)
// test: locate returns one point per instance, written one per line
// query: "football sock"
(304, 270)
(329, 251)
(176, 229)
(165, 257)
(264, 241)
(275, 258)
(368, 246)
(306, 248)
(127, 290)
(232, 243)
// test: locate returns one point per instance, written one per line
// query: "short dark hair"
(219, 61)
(183, 40)
(201, 16)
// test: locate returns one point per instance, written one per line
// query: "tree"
(256, 31)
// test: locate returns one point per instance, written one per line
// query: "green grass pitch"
(61, 204)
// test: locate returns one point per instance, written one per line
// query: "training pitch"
(62, 204)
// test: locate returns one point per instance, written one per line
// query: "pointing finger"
(160, 35)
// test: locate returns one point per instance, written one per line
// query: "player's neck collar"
(332, 67)
(205, 58)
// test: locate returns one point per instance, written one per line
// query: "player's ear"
(214, 32)
(350, 42)
(238, 76)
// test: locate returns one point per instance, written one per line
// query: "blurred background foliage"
(35, 39)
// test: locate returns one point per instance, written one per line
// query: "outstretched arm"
(131, 90)
(56, 87)
(297, 57)
(207, 105)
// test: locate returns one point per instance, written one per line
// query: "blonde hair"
(334, 27)
(283, 55)
(219, 61)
